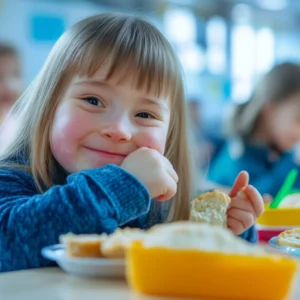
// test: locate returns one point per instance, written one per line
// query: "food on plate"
(292, 200)
(115, 245)
(94, 245)
(290, 238)
(203, 237)
(83, 245)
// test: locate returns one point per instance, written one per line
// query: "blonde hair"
(277, 85)
(132, 47)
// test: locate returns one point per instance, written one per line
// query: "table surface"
(54, 284)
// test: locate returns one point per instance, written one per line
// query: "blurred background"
(225, 46)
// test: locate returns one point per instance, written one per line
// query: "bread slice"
(83, 245)
(115, 245)
(210, 208)
(290, 238)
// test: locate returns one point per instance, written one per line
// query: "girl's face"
(100, 122)
(283, 122)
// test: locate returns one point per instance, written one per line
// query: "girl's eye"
(145, 115)
(94, 101)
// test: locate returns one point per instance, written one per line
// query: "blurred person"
(10, 83)
(264, 132)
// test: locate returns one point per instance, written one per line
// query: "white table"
(54, 284)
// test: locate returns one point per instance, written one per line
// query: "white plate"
(92, 267)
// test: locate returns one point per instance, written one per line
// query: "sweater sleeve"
(157, 215)
(92, 201)
(250, 235)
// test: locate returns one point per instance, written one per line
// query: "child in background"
(101, 142)
(10, 86)
(265, 131)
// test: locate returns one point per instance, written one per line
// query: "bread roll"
(210, 208)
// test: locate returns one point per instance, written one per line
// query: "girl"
(100, 132)
(265, 131)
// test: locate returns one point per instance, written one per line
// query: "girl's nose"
(117, 131)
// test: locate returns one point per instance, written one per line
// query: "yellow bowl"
(191, 273)
(280, 217)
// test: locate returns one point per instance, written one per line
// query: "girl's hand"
(246, 205)
(154, 171)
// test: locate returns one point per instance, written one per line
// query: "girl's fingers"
(241, 181)
(246, 218)
(235, 226)
(255, 199)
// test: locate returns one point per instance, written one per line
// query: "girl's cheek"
(153, 140)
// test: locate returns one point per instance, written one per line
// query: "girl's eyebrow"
(94, 83)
